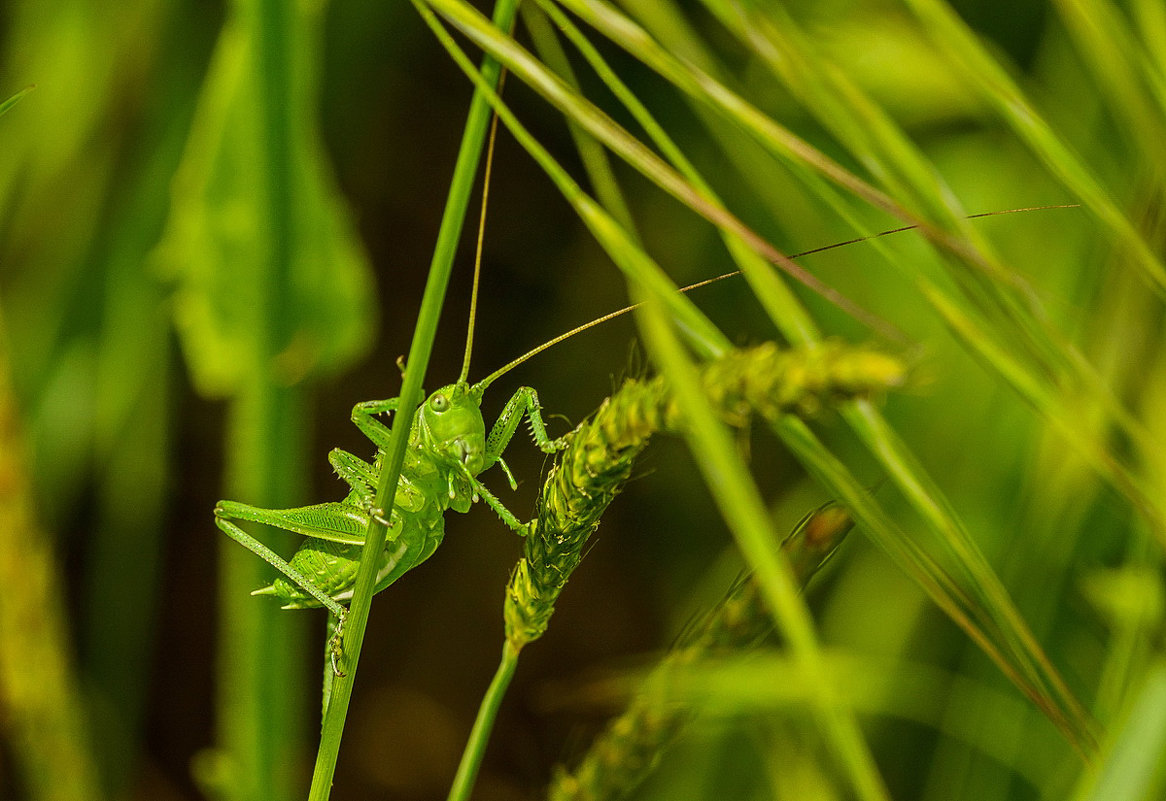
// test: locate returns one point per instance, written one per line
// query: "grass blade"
(441, 267)
(7, 105)
(940, 585)
(741, 506)
(986, 74)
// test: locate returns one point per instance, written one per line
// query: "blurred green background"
(174, 330)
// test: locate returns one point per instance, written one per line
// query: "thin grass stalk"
(475, 750)
(425, 332)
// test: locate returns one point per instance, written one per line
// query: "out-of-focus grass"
(1022, 472)
(272, 292)
(45, 713)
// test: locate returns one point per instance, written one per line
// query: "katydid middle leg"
(356, 473)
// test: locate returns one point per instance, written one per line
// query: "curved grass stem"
(467, 771)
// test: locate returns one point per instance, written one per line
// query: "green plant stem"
(467, 770)
(425, 333)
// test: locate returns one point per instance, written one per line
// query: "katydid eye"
(439, 403)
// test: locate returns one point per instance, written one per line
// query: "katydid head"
(451, 425)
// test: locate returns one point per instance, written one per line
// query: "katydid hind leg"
(280, 564)
(344, 523)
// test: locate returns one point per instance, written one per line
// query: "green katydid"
(448, 449)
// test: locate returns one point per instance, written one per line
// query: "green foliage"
(630, 745)
(226, 226)
(994, 623)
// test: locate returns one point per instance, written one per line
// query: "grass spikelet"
(769, 381)
(598, 459)
(623, 754)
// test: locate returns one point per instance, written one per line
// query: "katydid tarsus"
(448, 449)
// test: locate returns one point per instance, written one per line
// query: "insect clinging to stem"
(448, 448)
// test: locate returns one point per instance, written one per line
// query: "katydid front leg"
(364, 416)
(524, 402)
(223, 521)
